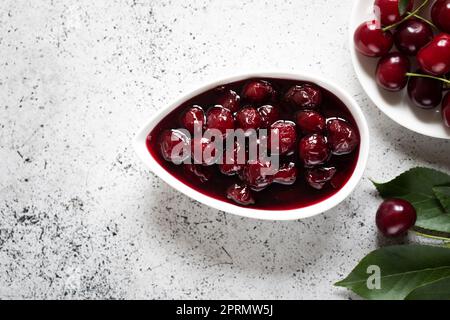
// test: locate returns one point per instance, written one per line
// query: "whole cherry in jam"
(258, 91)
(230, 100)
(412, 35)
(440, 14)
(257, 174)
(370, 40)
(204, 151)
(305, 96)
(446, 109)
(313, 150)
(198, 172)
(389, 11)
(342, 137)
(194, 116)
(434, 58)
(248, 118)
(219, 118)
(269, 114)
(395, 217)
(310, 121)
(174, 145)
(286, 133)
(240, 193)
(287, 174)
(233, 162)
(425, 93)
(318, 177)
(391, 71)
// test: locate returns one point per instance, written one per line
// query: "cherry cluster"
(414, 37)
(307, 140)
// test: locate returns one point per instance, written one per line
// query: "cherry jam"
(319, 143)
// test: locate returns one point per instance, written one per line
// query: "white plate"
(300, 213)
(396, 105)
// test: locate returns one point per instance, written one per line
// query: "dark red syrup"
(275, 196)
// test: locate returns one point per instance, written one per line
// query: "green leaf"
(416, 186)
(402, 270)
(403, 6)
(443, 195)
(437, 290)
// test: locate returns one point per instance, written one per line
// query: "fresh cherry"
(370, 40)
(174, 146)
(287, 174)
(310, 121)
(306, 96)
(411, 35)
(395, 217)
(198, 172)
(257, 174)
(425, 93)
(313, 150)
(258, 92)
(219, 118)
(446, 109)
(269, 114)
(434, 58)
(389, 12)
(248, 118)
(342, 137)
(391, 71)
(440, 14)
(287, 136)
(230, 100)
(318, 177)
(240, 194)
(193, 116)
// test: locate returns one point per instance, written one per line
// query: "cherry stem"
(424, 20)
(411, 74)
(407, 17)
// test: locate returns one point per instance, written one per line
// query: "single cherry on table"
(318, 143)
(395, 217)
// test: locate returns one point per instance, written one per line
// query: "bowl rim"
(139, 144)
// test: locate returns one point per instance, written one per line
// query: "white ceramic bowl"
(300, 213)
(396, 105)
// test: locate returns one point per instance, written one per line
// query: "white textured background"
(80, 217)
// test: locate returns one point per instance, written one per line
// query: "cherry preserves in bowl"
(321, 155)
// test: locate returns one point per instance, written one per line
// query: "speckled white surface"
(80, 217)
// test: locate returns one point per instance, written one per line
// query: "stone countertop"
(80, 216)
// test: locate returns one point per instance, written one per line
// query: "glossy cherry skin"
(412, 35)
(306, 96)
(258, 92)
(269, 114)
(391, 71)
(342, 137)
(192, 117)
(204, 151)
(310, 121)
(241, 194)
(233, 163)
(434, 58)
(230, 100)
(370, 40)
(287, 136)
(318, 177)
(425, 93)
(248, 118)
(174, 145)
(219, 118)
(440, 14)
(257, 174)
(388, 10)
(313, 150)
(446, 109)
(287, 174)
(395, 217)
